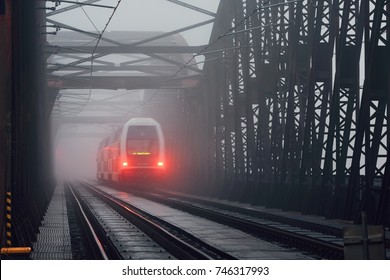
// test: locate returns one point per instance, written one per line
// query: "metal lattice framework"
(161, 64)
(294, 127)
(82, 60)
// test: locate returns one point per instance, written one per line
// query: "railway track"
(99, 244)
(321, 240)
(337, 232)
(112, 211)
(204, 202)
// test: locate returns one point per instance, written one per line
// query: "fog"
(75, 157)
(83, 117)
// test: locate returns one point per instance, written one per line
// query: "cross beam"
(125, 48)
(123, 82)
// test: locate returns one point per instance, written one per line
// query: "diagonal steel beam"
(173, 32)
(137, 61)
(53, 49)
(170, 61)
(81, 61)
(62, 25)
(91, 34)
(66, 55)
(186, 5)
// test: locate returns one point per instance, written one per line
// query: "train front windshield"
(142, 144)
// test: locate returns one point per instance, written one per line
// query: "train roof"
(141, 121)
(131, 122)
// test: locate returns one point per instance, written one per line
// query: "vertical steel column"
(193, 144)
(244, 41)
(224, 161)
(321, 47)
(381, 167)
(293, 129)
(2, 8)
(382, 215)
(23, 106)
(308, 147)
(220, 100)
(224, 118)
(239, 116)
(30, 148)
(371, 141)
(343, 111)
(210, 98)
(5, 93)
(277, 101)
(228, 116)
(220, 156)
(260, 87)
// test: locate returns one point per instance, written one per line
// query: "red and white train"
(134, 153)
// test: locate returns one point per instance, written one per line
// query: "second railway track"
(125, 225)
(284, 230)
(323, 241)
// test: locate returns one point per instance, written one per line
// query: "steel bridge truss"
(82, 60)
(160, 62)
(300, 99)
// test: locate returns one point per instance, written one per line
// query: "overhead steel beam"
(141, 68)
(125, 82)
(69, 8)
(92, 120)
(80, 4)
(123, 48)
(81, 135)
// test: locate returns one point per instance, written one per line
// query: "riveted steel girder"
(290, 114)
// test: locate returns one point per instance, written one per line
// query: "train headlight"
(124, 163)
(160, 163)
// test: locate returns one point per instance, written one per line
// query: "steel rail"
(313, 226)
(146, 223)
(325, 229)
(308, 243)
(98, 241)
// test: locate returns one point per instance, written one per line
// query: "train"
(134, 153)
